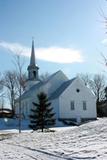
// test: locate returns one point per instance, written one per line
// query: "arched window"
(34, 74)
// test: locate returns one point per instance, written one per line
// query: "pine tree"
(42, 114)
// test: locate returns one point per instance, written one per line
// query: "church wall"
(44, 88)
(55, 106)
(70, 94)
(62, 105)
(25, 108)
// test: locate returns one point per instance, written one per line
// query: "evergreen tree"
(42, 115)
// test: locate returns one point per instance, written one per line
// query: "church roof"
(54, 74)
(61, 89)
(27, 93)
(35, 87)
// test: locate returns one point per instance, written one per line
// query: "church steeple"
(32, 58)
(32, 68)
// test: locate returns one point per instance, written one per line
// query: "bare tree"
(19, 64)
(104, 60)
(1, 92)
(96, 83)
(86, 78)
(9, 81)
(1, 81)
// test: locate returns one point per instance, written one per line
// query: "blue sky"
(69, 34)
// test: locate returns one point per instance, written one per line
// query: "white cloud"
(52, 54)
(15, 48)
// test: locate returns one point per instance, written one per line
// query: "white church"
(70, 98)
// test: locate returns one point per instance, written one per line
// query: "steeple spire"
(33, 68)
(32, 58)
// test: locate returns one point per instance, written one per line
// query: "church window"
(77, 90)
(84, 105)
(72, 105)
(34, 73)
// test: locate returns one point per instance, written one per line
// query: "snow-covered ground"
(86, 142)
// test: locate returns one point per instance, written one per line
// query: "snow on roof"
(61, 89)
(38, 85)
(29, 92)
(54, 74)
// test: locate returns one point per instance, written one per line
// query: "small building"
(6, 113)
(71, 99)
